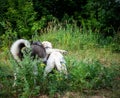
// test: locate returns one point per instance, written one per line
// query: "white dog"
(55, 59)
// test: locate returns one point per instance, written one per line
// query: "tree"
(21, 17)
(105, 13)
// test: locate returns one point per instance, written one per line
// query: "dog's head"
(36, 43)
(47, 44)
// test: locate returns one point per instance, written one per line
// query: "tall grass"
(86, 71)
(70, 37)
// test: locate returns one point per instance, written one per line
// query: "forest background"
(27, 17)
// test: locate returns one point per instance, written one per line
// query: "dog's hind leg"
(15, 78)
(61, 67)
(58, 65)
(35, 70)
(49, 67)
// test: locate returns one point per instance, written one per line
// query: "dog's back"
(38, 49)
(56, 56)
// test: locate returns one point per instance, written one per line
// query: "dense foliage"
(82, 76)
(26, 17)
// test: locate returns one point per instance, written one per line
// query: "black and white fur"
(55, 59)
(17, 47)
(36, 48)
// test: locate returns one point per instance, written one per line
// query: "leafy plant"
(89, 76)
(28, 74)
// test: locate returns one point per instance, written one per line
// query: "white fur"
(47, 44)
(55, 59)
(15, 49)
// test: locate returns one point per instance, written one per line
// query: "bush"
(30, 81)
(29, 73)
(90, 76)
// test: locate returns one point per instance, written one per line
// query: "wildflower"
(42, 65)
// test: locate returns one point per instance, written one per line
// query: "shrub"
(29, 74)
(30, 81)
(90, 75)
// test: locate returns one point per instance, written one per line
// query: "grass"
(82, 44)
(93, 67)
